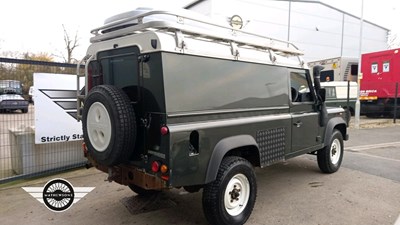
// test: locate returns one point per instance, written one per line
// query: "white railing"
(195, 25)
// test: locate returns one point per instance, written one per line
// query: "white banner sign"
(55, 108)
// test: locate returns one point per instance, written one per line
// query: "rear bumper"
(129, 174)
(14, 105)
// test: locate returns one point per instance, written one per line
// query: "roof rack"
(196, 26)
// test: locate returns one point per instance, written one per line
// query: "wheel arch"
(240, 145)
(352, 111)
(335, 123)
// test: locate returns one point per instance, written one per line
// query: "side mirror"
(322, 94)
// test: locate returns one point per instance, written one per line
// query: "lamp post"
(359, 77)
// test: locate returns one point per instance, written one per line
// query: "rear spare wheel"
(109, 125)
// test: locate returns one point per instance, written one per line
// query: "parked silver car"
(10, 96)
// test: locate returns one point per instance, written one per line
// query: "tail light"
(155, 166)
(164, 130)
(164, 168)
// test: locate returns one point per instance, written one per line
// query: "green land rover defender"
(173, 100)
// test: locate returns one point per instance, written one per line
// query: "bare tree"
(70, 45)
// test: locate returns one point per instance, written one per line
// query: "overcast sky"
(36, 26)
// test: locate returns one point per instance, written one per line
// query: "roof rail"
(194, 25)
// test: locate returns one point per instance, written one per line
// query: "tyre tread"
(124, 127)
(323, 155)
(211, 191)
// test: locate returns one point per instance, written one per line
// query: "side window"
(330, 92)
(300, 88)
(374, 67)
(386, 67)
(327, 75)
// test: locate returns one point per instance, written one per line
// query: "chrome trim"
(225, 123)
(211, 112)
(158, 154)
(335, 110)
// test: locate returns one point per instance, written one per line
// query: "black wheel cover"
(120, 137)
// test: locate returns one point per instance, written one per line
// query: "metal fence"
(20, 157)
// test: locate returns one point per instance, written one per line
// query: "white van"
(336, 94)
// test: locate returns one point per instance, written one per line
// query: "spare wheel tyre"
(109, 125)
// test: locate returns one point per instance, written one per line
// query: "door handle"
(298, 124)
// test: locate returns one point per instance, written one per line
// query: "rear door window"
(119, 67)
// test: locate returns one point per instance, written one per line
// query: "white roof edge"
(185, 21)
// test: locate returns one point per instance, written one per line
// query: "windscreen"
(10, 87)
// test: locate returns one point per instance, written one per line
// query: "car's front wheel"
(231, 197)
(330, 158)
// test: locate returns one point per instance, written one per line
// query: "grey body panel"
(217, 138)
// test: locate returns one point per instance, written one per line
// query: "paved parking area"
(294, 192)
(366, 190)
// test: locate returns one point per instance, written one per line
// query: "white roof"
(184, 32)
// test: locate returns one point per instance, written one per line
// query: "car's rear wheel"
(109, 125)
(231, 197)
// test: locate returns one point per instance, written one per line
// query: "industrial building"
(318, 29)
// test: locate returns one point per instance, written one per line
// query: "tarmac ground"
(366, 190)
